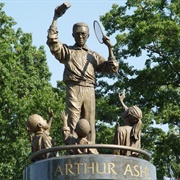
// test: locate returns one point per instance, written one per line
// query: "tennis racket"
(98, 31)
(100, 35)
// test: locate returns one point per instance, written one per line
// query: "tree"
(150, 27)
(25, 89)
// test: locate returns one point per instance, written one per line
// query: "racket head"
(98, 31)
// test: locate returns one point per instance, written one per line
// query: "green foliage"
(150, 27)
(25, 89)
(105, 136)
(141, 26)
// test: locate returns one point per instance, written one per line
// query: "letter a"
(128, 169)
(58, 170)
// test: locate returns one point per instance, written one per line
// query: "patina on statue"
(82, 160)
(38, 130)
(130, 133)
(80, 65)
(82, 130)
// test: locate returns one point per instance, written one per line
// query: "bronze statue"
(80, 65)
(129, 134)
(83, 130)
(41, 138)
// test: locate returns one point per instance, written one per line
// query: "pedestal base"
(91, 166)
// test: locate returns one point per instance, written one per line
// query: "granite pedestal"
(90, 166)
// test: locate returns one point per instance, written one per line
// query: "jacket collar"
(75, 46)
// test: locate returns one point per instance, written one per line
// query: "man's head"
(35, 122)
(82, 128)
(80, 33)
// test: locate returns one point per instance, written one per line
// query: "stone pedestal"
(91, 166)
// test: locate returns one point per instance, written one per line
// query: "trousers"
(80, 103)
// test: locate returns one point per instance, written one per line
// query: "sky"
(35, 17)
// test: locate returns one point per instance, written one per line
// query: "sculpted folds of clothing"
(79, 69)
(125, 136)
(80, 63)
(69, 139)
(79, 76)
(42, 141)
(80, 102)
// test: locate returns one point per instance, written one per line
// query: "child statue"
(82, 130)
(129, 134)
(41, 138)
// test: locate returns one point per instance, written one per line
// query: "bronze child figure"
(41, 138)
(83, 130)
(130, 133)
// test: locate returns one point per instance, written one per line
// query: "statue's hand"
(64, 116)
(50, 112)
(106, 41)
(122, 95)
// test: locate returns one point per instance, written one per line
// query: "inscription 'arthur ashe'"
(84, 168)
(103, 168)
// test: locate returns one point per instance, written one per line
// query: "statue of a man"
(129, 133)
(80, 65)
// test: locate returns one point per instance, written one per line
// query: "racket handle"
(106, 41)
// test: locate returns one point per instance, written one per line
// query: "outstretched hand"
(122, 96)
(50, 112)
(64, 117)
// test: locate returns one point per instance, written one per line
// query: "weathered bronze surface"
(80, 65)
(83, 130)
(143, 153)
(130, 133)
(38, 130)
(83, 160)
(60, 10)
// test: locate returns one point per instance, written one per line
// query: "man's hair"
(80, 24)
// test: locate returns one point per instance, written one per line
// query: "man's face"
(81, 35)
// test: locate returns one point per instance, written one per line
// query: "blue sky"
(35, 16)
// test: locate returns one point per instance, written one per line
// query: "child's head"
(133, 114)
(82, 128)
(35, 122)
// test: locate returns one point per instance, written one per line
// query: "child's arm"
(121, 99)
(29, 134)
(50, 114)
(67, 136)
(64, 118)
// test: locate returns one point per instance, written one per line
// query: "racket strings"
(98, 32)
